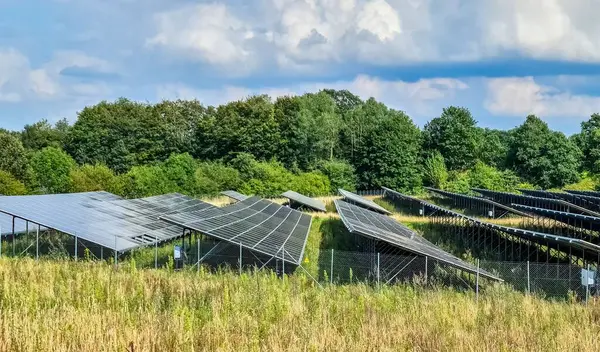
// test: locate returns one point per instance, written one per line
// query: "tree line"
(314, 144)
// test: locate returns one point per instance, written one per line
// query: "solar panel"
(583, 193)
(477, 199)
(538, 202)
(371, 224)
(235, 195)
(363, 202)
(525, 234)
(304, 200)
(21, 227)
(587, 201)
(254, 223)
(112, 223)
(577, 220)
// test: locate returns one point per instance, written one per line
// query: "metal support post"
(528, 279)
(37, 243)
(378, 271)
(477, 283)
(155, 252)
(76, 249)
(13, 235)
(426, 270)
(116, 253)
(283, 261)
(240, 261)
(101, 253)
(331, 270)
(198, 239)
(587, 285)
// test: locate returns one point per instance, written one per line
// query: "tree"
(543, 157)
(357, 124)
(123, 134)
(435, 173)
(454, 134)
(180, 170)
(340, 173)
(389, 154)
(92, 178)
(146, 181)
(493, 147)
(50, 170)
(10, 186)
(246, 126)
(589, 143)
(13, 157)
(42, 134)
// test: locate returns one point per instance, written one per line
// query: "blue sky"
(501, 59)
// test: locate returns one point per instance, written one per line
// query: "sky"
(502, 59)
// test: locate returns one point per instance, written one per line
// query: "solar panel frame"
(583, 193)
(365, 203)
(256, 224)
(235, 195)
(478, 199)
(117, 224)
(304, 200)
(526, 234)
(592, 221)
(398, 235)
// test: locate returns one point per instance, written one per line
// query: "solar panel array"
(363, 202)
(254, 223)
(235, 195)
(538, 202)
(586, 201)
(584, 193)
(578, 220)
(304, 200)
(105, 219)
(525, 234)
(371, 224)
(20, 224)
(476, 199)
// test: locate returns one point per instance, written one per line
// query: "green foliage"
(493, 147)
(543, 157)
(180, 170)
(389, 155)
(146, 181)
(10, 186)
(340, 173)
(487, 177)
(435, 173)
(588, 182)
(42, 134)
(225, 177)
(13, 158)
(245, 126)
(454, 134)
(91, 178)
(311, 184)
(458, 182)
(589, 143)
(51, 170)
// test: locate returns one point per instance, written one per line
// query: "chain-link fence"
(551, 280)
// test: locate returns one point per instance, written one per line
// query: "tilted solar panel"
(363, 202)
(585, 222)
(254, 223)
(113, 222)
(476, 199)
(235, 195)
(583, 193)
(370, 224)
(304, 200)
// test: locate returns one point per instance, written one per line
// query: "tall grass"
(66, 306)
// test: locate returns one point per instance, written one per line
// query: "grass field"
(66, 306)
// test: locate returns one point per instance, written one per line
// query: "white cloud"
(423, 97)
(520, 96)
(19, 81)
(311, 34)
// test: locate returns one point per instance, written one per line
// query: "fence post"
(155, 252)
(240, 258)
(587, 284)
(331, 270)
(37, 243)
(426, 270)
(378, 285)
(477, 283)
(528, 279)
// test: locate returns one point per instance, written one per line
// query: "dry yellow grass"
(63, 306)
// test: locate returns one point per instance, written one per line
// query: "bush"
(10, 186)
(91, 178)
(311, 184)
(435, 173)
(146, 181)
(51, 170)
(340, 173)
